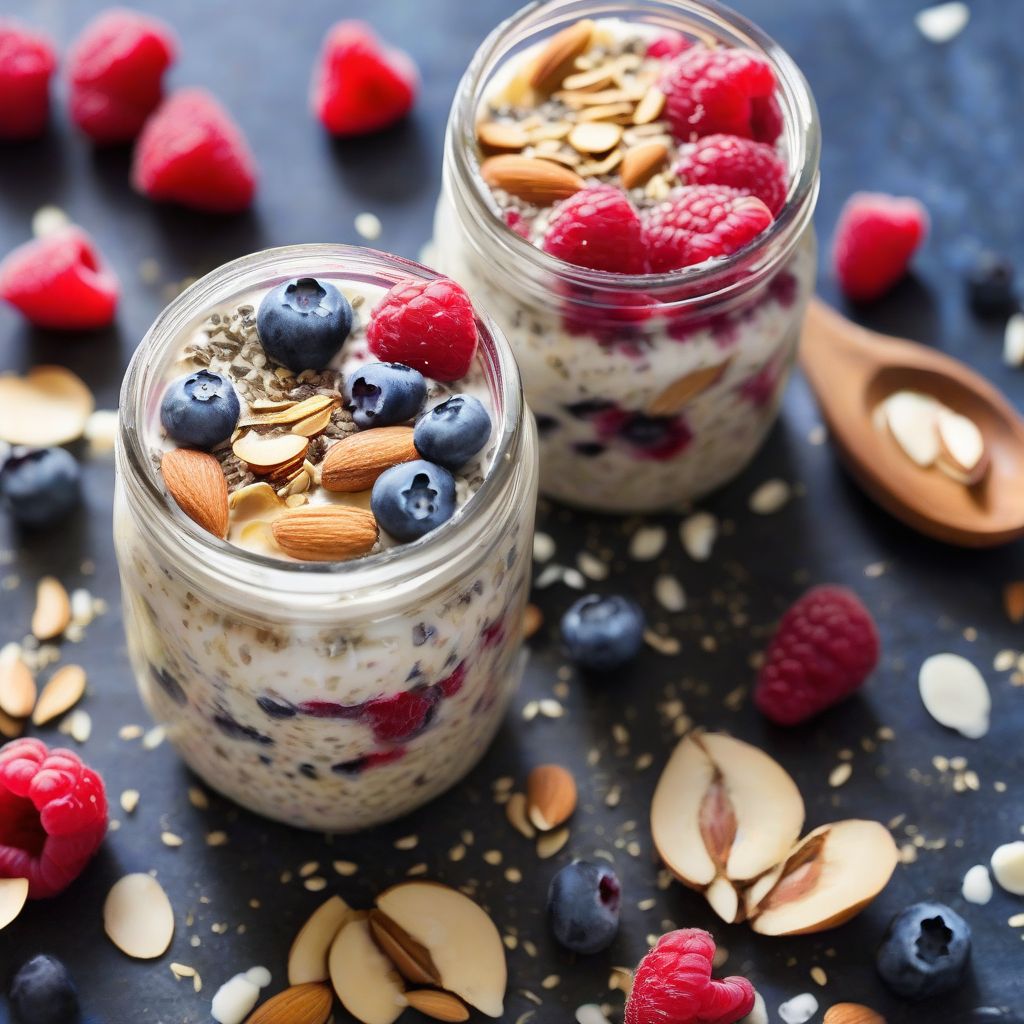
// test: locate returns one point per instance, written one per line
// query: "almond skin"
(852, 1013)
(300, 1004)
(196, 482)
(640, 163)
(685, 389)
(550, 796)
(325, 533)
(438, 1005)
(540, 182)
(355, 462)
(556, 60)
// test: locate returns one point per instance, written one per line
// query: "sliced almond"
(641, 162)
(437, 1005)
(911, 418)
(502, 135)
(307, 959)
(620, 113)
(551, 796)
(1013, 601)
(301, 1004)
(955, 694)
(650, 107)
(583, 100)
(11, 728)
(270, 405)
(558, 55)
(592, 78)
(263, 453)
(518, 815)
(196, 482)
(363, 979)
(595, 137)
(254, 501)
(683, 390)
(852, 1013)
(411, 958)
(354, 463)
(13, 895)
(599, 168)
(138, 918)
(64, 690)
(17, 688)
(50, 405)
(962, 451)
(52, 613)
(539, 182)
(325, 533)
(315, 424)
(291, 413)
(550, 131)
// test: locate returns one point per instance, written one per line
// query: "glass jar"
(261, 669)
(649, 390)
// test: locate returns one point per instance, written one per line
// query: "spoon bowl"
(852, 370)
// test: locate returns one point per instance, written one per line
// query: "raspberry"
(669, 44)
(599, 229)
(701, 222)
(673, 985)
(875, 238)
(27, 61)
(751, 167)
(766, 121)
(60, 282)
(53, 816)
(401, 716)
(428, 325)
(116, 67)
(711, 91)
(825, 647)
(192, 152)
(359, 85)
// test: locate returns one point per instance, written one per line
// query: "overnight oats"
(326, 489)
(629, 193)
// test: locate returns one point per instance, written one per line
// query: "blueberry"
(990, 283)
(603, 633)
(303, 323)
(925, 951)
(42, 992)
(200, 409)
(583, 906)
(413, 498)
(40, 485)
(383, 394)
(453, 432)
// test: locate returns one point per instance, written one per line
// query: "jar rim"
(391, 566)
(712, 280)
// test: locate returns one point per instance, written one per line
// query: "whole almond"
(17, 688)
(640, 163)
(559, 54)
(325, 533)
(852, 1013)
(53, 609)
(301, 1004)
(550, 796)
(355, 462)
(539, 182)
(196, 482)
(438, 1005)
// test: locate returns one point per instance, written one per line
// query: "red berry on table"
(53, 816)
(428, 325)
(27, 61)
(876, 236)
(673, 985)
(825, 647)
(191, 152)
(60, 282)
(713, 91)
(752, 167)
(360, 85)
(701, 222)
(597, 228)
(116, 67)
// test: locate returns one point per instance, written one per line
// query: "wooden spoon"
(851, 370)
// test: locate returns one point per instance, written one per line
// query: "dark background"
(899, 114)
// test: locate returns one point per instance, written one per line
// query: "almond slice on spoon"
(912, 421)
(362, 977)
(962, 451)
(307, 959)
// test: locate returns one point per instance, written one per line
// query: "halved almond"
(963, 454)
(196, 482)
(502, 135)
(557, 57)
(650, 107)
(301, 1004)
(551, 796)
(354, 463)
(325, 533)
(437, 1005)
(641, 162)
(64, 690)
(263, 453)
(291, 413)
(13, 895)
(539, 182)
(595, 136)
(411, 958)
(307, 959)
(138, 918)
(684, 389)
(363, 979)
(50, 405)
(52, 613)
(17, 688)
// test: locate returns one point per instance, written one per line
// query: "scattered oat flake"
(669, 593)
(216, 838)
(698, 534)
(551, 981)
(943, 22)
(368, 226)
(647, 543)
(182, 971)
(129, 732)
(550, 708)
(48, 220)
(770, 497)
(799, 1009)
(407, 843)
(590, 1013)
(840, 775)
(543, 547)
(77, 725)
(345, 868)
(818, 976)
(667, 645)
(955, 694)
(170, 839)
(129, 800)
(154, 737)
(1016, 921)
(592, 566)
(513, 875)
(977, 885)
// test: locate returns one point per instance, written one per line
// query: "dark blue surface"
(900, 114)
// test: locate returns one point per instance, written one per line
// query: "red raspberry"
(701, 222)
(401, 716)
(116, 67)
(599, 229)
(27, 61)
(825, 647)
(673, 985)
(766, 119)
(711, 91)
(53, 816)
(669, 44)
(359, 85)
(875, 238)
(192, 152)
(60, 282)
(428, 325)
(752, 167)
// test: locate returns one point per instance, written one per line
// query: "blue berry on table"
(453, 432)
(40, 486)
(42, 992)
(583, 906)
(925, 951)
(603, 633)
(200, 409)
(303, 323)
(990, 285)
(412, 499)
(385, 394)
